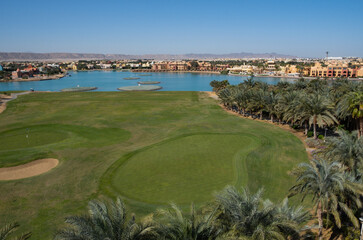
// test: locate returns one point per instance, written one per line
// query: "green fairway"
(150, 148)
(194, 165)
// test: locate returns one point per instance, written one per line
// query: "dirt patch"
(31, 169)
(2, 107)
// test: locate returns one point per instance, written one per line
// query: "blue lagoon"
(111, 80)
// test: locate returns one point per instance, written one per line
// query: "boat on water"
(144, 75)
(131, 78)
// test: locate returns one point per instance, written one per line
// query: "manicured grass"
(148, 147)
(194, 165)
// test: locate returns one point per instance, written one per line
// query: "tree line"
(315, 104)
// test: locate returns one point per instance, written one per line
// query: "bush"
(314, 143)
(321, 137)
(310, 133)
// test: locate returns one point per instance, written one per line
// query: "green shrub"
(310, 133)
(321, 137)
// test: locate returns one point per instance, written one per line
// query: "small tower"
(327, 54)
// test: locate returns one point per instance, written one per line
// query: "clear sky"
(306, 28)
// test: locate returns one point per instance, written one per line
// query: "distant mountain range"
(25, 56)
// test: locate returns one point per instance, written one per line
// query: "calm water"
(110, 81)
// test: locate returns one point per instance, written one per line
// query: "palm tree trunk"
(315, 137)
(272, 118)
(360, 130)
(306, 128)
(320, 220)
(261, 115)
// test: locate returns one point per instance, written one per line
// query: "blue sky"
(305, 28)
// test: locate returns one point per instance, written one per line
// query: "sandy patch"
(2, 107)
(31, 169)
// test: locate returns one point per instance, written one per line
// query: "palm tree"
(245, 215)
(106, 221)
(173, 224)
(7, 230)
(351, 104)
(258, 103)
(227, 96)
(271, 102)
(318, 110)
(328, 185)
(242, 98)
(346, 149)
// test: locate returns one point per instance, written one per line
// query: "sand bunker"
(31, 169)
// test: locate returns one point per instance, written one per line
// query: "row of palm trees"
(315, 103)
(235, 214)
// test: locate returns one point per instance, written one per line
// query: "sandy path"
(31, 169)
(9, 98)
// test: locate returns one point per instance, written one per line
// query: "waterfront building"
(333, 70)
(270, 66)
(246, 69)
(24, 73)
(204, 66)
(360, 72)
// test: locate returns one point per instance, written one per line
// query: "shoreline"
(59, 76)
(292, 77)
(40, 78)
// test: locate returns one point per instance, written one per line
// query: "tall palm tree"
(318, 110)
(327, 184)
(106, 221)
(242, 98)
(245, 215)
(7, 230)
(270, 104)
(173, 224)
(351, 104)
(346, 149)
(258, 103)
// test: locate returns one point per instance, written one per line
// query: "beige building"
(333, 70)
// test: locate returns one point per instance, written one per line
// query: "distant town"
(329, 67)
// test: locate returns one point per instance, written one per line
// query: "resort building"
(270, 66)
(246, 69)
(360, 72)
(24, 73)
(339, 70)
(204, 66)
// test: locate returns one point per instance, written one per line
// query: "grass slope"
(149, 147)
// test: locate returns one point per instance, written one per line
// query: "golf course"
(149, 148)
